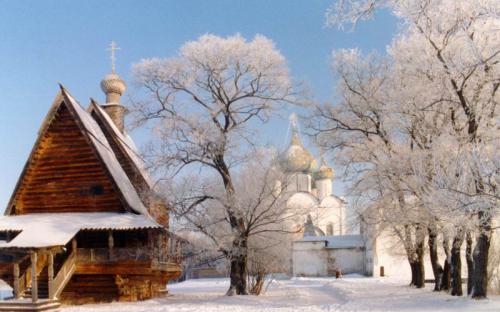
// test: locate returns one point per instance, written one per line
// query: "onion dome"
(324, 172)
(114, 87)
(296, 158)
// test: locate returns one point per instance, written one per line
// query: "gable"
(66, 134)
(64, 173)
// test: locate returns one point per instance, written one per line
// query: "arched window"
(329, 229)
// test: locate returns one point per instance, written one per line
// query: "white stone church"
(326, 245)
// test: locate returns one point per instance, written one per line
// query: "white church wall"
(323, 217)
(330, 211)
(313, 258)
(310, 259)
(299, 204)
(299, 182)
(324, 187)
(349, 260)
(389, 253)
(301, 201)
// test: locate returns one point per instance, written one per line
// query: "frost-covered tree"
(268, 222)
(455, 49)
(436, 93)
(363, 126)
(205, 104)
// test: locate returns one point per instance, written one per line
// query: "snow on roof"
(57, 229)
(108, 156)
(128, 145)
(337, 241)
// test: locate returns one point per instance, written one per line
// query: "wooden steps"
(43, 286)
(15, 305)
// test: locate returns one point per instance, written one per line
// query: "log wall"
(97, 288)
(64, 174)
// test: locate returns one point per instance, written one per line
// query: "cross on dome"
(113, 48)
(114, 87)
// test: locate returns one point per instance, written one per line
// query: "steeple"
(114, 87)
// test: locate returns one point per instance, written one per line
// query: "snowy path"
(303, 294)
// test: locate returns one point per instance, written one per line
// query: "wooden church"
(83, 224)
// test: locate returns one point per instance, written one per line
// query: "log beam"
(50, 270)
(34, 280)
(17, 292)
(111, 244)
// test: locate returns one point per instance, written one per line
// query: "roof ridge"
(130, 149)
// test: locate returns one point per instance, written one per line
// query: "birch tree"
(204, 105)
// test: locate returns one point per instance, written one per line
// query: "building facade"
(83, 223)
(325, 245)
(310, 188)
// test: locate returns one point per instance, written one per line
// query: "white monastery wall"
(309, 259)
(390, 253)
(348, 260)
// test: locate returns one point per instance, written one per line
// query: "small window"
(329, 229)
(96, 190)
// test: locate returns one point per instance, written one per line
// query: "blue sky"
(46, 42)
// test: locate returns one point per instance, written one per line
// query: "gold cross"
(112, 48)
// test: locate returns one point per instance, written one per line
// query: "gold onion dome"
(113, 84)
(324, 172)
(296, 158)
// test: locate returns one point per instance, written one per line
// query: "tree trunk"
(417, 273)
(437, 270)
(413, 273)
(238, 274)
(470, 263)
(481, 253)
(420, 269)
(415, 253)
(456, 264)
(416, 259)
(446, 279)
(239, 254)
(258, 285)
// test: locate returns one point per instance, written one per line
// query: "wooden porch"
(45, 277)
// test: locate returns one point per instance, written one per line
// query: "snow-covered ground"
(350, 293)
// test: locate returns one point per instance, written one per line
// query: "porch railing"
(106, 255)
